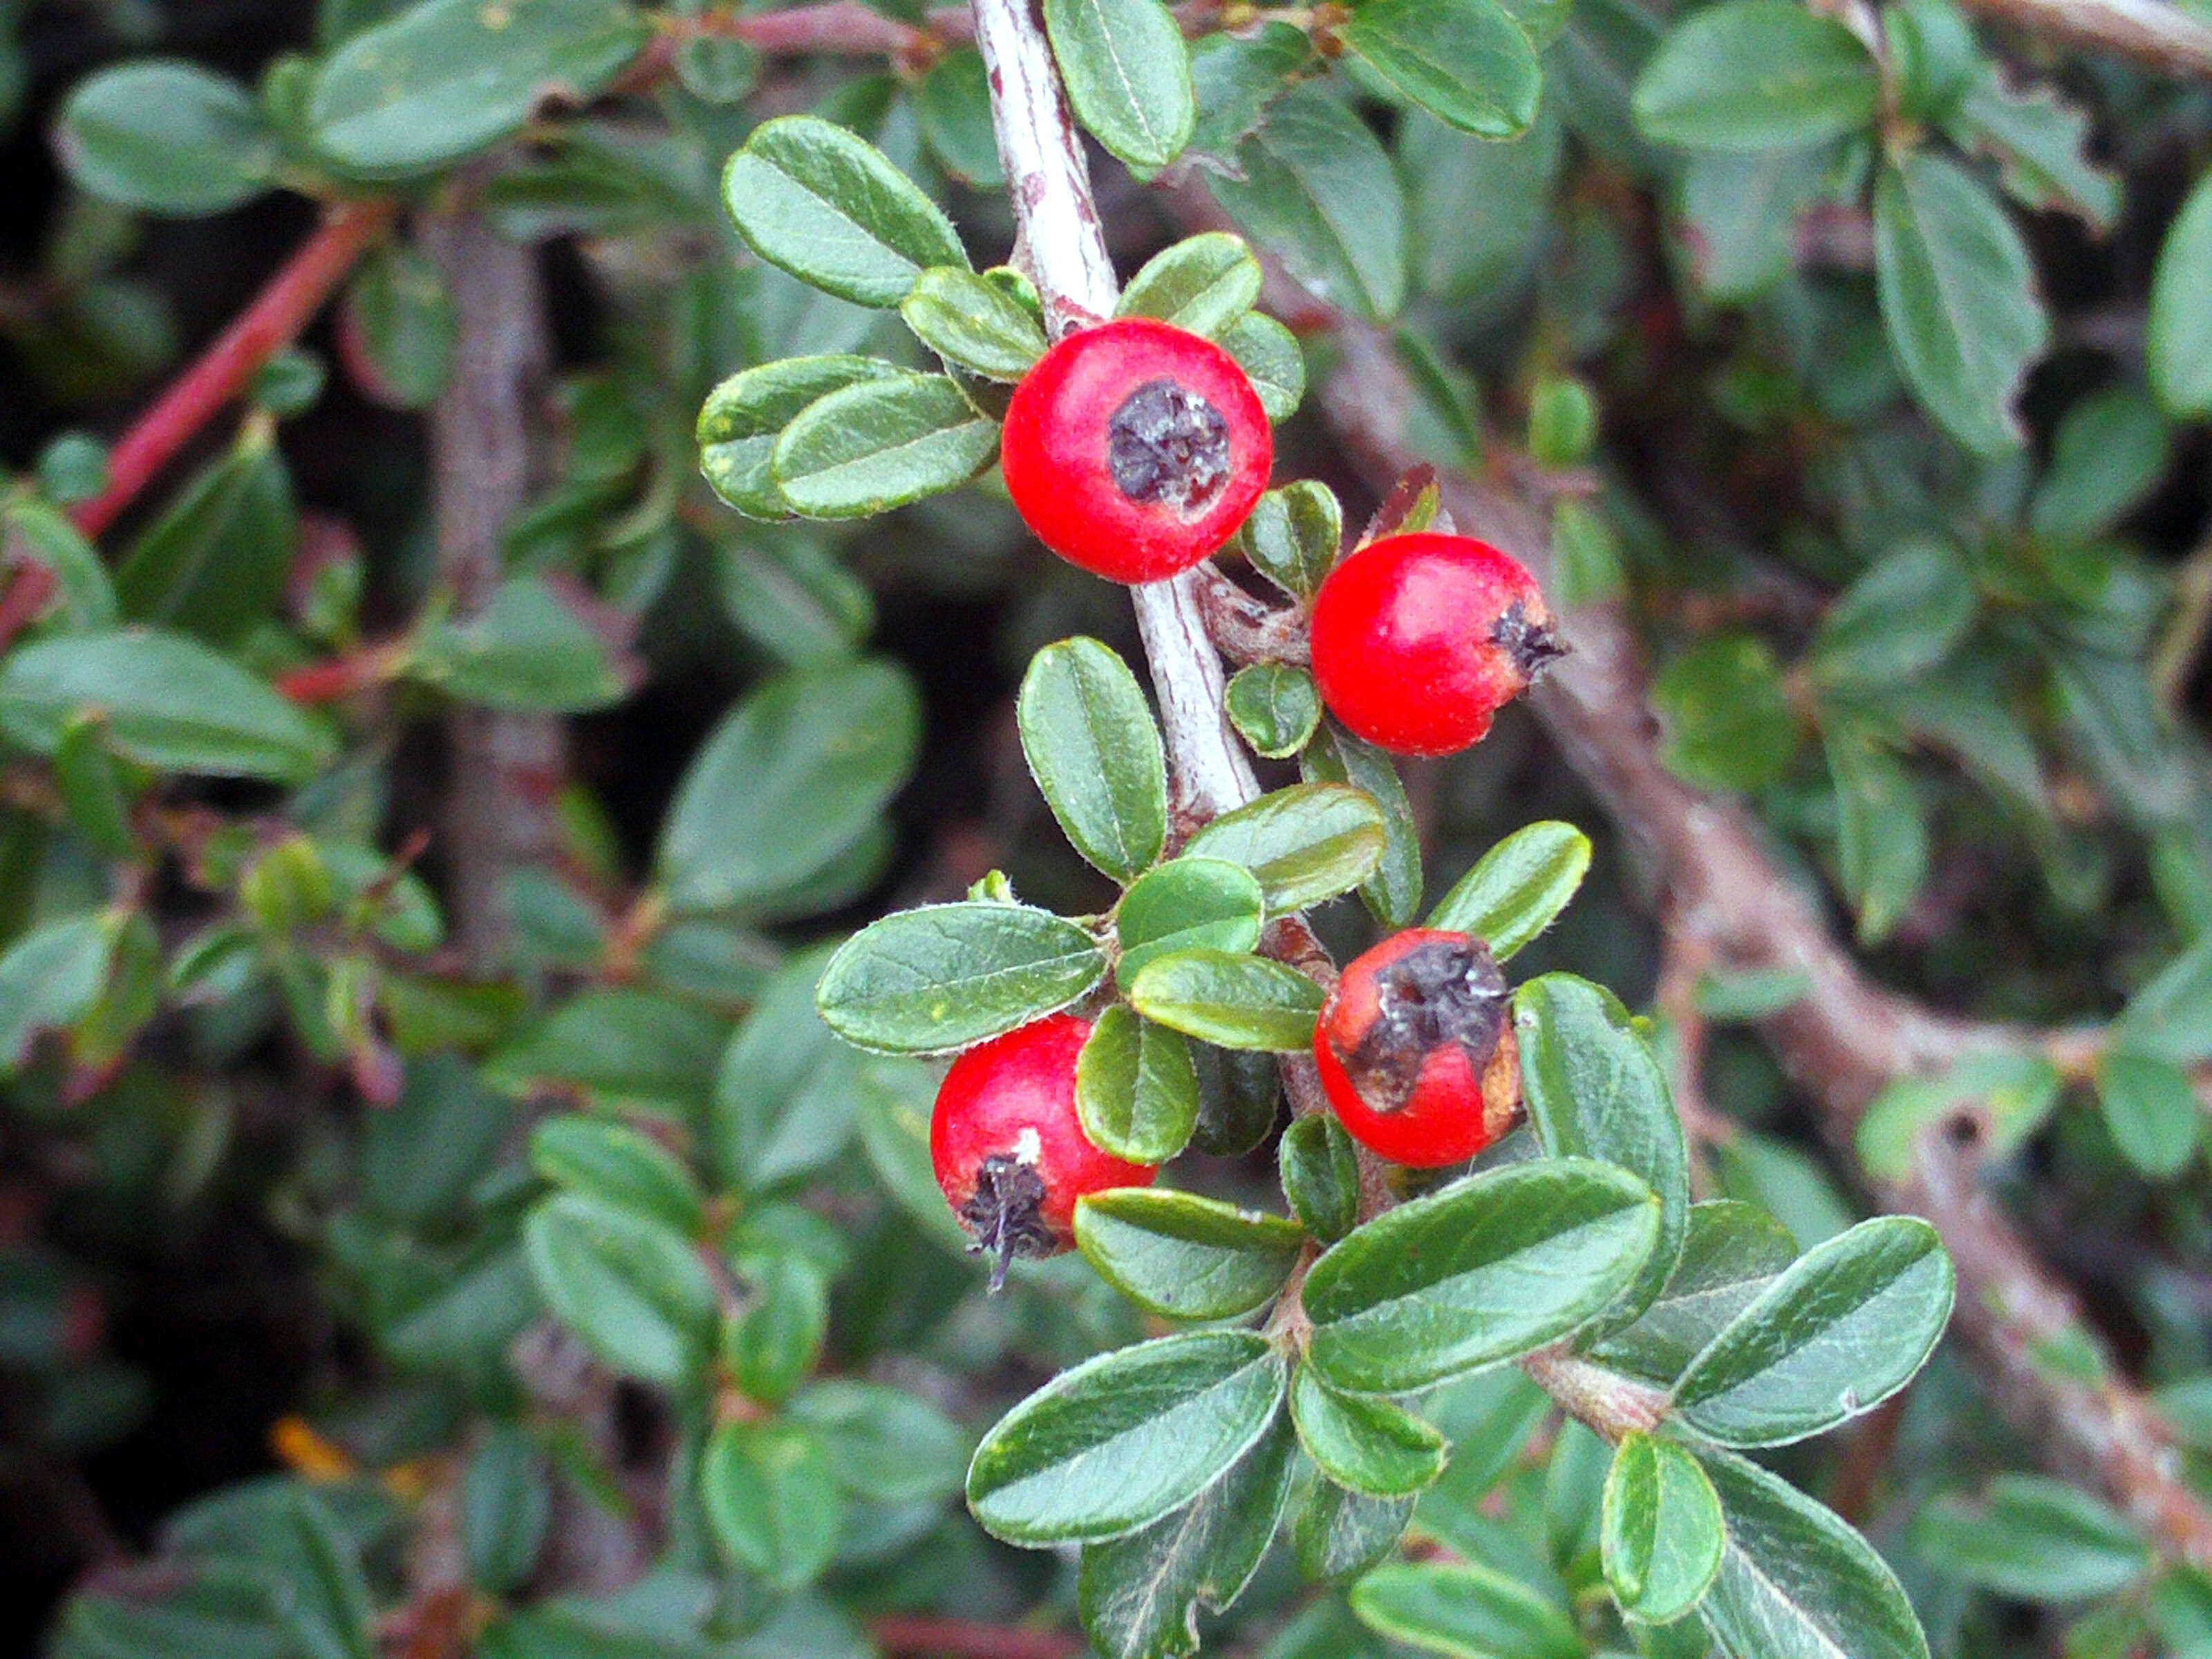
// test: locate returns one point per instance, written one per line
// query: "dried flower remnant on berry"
(1167, 446)
(1007, 1214)
(1448, 990)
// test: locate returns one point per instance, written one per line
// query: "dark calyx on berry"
(1006, 1215)
(1168, 446)
(1446, 991)
(1533, 646)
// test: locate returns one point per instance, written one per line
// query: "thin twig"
(962, 1638)
(2182, 644)
(273, 322)
(2152, 32)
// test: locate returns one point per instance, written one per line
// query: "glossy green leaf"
(1727, 716)
(2031, 1539)
(1467, 62)
(1363, 1445)
(883, 1444)
(1661, 1530)
(446, 78)
(953, 106)
(1595, 1090)
(1139, 1595)
(1185, 903)
(772, 1340)
(1321, 1176)
(165, 137)
(1203, 284)
(1122, 1439)
(615, 1164)
(973, 323)
(1319, 191)
(1731, 1252)
(1517, 889)
(1467, 1611)
(1093, 748)
(1882, 834)
(628, 1286)
(1231, 1000)
(1754, 74)
(507, 1507)
(1795, 1582)
(86, 593)
(1958, 295)
(1837, 1333)
(2041, 142)
(831, 207)
(946, 975)
(879, 445)
(745, 416)
(1392, 893)
(169, 703)
(1135, 1089)
(1271, 359)
(2178, 343)
(1274, 707)
(1340, 1535)
(1183, 1256)
(1240, 1093)
(1899, 620)
(787, 783)
(1293, 535)
(1305, 843)
(534, 649)
(786, 1093)
(214, 563)
(1128, 74)
(1480, 1271)
(2151, 1111)
(771, 1499)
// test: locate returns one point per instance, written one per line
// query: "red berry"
(1009, 1150)
(1416, 1048)
(1419, 639)
(1135, 448)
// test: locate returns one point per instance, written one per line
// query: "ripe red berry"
(1009, 1150)
(1419, 639)
(1416, 1048)
(1135, 448)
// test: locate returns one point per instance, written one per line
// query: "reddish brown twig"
(959, 1638)
(273, 322)
(25, 597)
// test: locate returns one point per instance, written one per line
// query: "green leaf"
(1485, 206)
(1958, 295)
(1595, 1090)
(1518, 888)
(1139, 1594)
(1731, 1253)
(1271, 359)
(1122, 1439)
(973, 323)
(786, 1093)
(1203, 284)
(614, 1164)
(446, 78)
(621, 1044)
(2042, 143)
(1233, 1001)
(534, 649)
(1365, 1445)
(1237, 76)
(1729, 723)
(1467, 1611)
(879, 445)
(166, 137)
(830, 208)
(1898, 622)
(1293, 535)
(2109, 454)
(1320, 191)
(1321, 1176)
(1483, 1271)
(1305, 843)
(952, 105)
(86, 593)
(1839, 1331)
(506, 1504)
(214, 563)
(1393, 894)
(791, 779)
(1186, 1257)
(2151, 1111)
(629, 1287)
(1183, 904)
(2032, 1540)
(771, 1343)
(168, 703)
(1467, 62)
(1128, 74)
(1239, 1095)
(95, 790)
(1661, 1530)
(2178, 343)
(298, 1537)
(1752, 74)
(1882, 835)
(947, 975)
(400, 314)
(746, 415)
(771, 1496)
(791, 597)
(1095, 752)
(885, 1444)
(1795, 1582)
(1740, 213)
(1135, 1089)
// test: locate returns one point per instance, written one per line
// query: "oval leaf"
(744, 416)
(879, 445)
(973, 323)
(1093, 748)
(1230, 1000)
(1128, 74)
(1467, 62)
(1186, 904)
(2178, 343)
(1731, 1251)
(1306, 843)
(166, 137)
(1518, 888)
(1186, 1257)
(1467, 1611)
(1275, 706)
(771, 1495)
(1659, 1529)
(629, 1287)
(1136, 1090)
(1756, 75)
(1203, 284)
(1365, 1445)
(946, 975)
